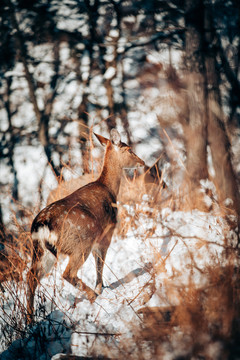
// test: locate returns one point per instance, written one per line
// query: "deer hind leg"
(42, 262)
(70, 273)
(99, 253)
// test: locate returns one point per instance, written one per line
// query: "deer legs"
(43, 260)
(99, 253)
(70, 274)
(42, 263)
(99, 260)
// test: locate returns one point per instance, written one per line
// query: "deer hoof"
(98, 289)
(92, 296)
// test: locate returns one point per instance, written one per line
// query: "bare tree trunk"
(123, 108)
(13, 139)
(231, 69)
(41, 116)
(2, 229)
(83, 127)
(111, 121)
(196, 128)
(83, 131)
(225, 179)
(92, 11)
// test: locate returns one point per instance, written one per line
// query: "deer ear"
(115, 137)
(101, 139)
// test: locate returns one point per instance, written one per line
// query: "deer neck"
(111, 175)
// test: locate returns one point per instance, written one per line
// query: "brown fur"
(80, 223)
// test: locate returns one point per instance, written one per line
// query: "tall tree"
(225, 178)
(196, 127)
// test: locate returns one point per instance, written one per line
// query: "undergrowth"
(189, 319)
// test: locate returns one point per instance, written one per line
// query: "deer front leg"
(99, 253)
(70, 274)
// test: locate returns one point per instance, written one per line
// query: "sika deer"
(80, 223)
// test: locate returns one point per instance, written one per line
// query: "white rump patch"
(44, 234)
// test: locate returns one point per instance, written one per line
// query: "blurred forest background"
(67, 67)
(166, 74)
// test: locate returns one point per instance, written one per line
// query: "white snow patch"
(110, 73)
(171, 245)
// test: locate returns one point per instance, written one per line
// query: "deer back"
(65, 188)
(82, 215)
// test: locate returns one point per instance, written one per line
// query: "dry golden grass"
(202, 324)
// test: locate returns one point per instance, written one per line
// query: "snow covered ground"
(155, 252)
(160, 250)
